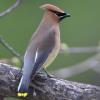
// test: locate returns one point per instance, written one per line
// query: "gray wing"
(44, 49)
(38, 55)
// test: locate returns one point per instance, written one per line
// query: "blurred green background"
(81, 29)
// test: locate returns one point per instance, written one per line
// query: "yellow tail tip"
(22, 94)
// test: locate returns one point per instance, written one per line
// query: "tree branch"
(10, 8)
(51, 88)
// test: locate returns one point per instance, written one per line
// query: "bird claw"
(36, 87)
(39, 83)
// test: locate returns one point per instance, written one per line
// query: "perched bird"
(43, 47)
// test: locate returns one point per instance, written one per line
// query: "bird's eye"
(55, 12)
(56, 15)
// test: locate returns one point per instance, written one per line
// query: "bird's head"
(57, 12)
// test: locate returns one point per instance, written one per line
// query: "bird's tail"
(23, 86)
(25, 80)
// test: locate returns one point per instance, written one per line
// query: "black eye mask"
(60, 14)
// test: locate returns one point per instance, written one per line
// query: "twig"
(9, 48)
(80, 50)
(91, 63)
(53, 88)
(10, 8)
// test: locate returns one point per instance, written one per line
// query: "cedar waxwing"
(43, 47)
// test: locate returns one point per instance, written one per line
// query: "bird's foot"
(36, 88)
(38, 82)
(39, 79)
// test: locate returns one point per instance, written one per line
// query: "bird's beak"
(63, 15)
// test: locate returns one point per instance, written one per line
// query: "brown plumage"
(44, 45)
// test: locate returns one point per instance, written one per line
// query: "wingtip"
(22, 94)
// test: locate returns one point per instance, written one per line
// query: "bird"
(43, 47)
